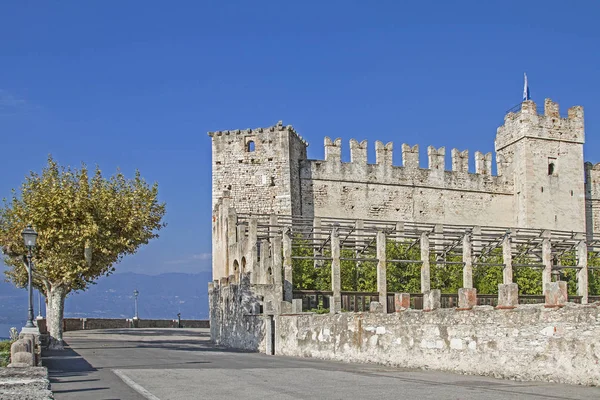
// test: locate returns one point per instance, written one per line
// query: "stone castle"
(542, 181)
(272, 205)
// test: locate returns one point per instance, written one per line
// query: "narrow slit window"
(551, 166)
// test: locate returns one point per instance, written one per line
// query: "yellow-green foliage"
(85, 224)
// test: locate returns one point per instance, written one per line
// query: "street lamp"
(30, 237)
(135, 296)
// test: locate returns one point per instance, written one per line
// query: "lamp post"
(40, 305)
(30, 237)
(135, 296)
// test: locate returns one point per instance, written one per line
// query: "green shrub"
(5, 352)
(319, 310)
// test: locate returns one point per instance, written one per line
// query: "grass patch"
(5, 352)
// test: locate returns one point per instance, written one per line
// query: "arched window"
(243, 265)
(236, 270)
(551, 166)
(250, 146)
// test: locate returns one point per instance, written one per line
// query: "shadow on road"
(188, 332)
(65, 362)
(178, 345)
(63, 365)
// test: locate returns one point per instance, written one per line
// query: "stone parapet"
(519, 344)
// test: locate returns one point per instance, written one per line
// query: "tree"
(85, 227)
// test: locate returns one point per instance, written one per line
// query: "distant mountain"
(160, 297)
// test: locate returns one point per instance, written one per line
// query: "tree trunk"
(55, 307)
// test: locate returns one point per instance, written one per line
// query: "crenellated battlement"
(527, 122)
(538, 179)
(410, 156)
(383, 190)
(279, 127)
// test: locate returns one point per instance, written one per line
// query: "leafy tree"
(403, 277)
(85, 226)
(306, 275)
(406, 277)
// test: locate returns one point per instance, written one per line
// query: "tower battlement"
(279, 127)
(549, 125)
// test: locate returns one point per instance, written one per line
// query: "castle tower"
(259, 168)
(543, 154)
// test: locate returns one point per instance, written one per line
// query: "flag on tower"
(526, 90)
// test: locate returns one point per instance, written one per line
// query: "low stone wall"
(167, 323)
(78, 324)
(25, 383)
(530, 342)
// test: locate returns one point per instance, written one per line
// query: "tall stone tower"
(543, 154)
(258, 169)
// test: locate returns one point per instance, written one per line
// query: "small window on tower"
(250, 146)
(551, 166)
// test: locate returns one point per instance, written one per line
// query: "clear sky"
(137, 84)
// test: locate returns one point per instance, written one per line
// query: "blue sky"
(138, 84)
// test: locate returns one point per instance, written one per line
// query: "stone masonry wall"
(236, 320)
(380, 191)
(256, 167)
(543, 152)
(527, 343)
(592, 197)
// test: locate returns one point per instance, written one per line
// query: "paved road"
(181, 364)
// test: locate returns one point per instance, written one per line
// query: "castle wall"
(540, 180)
(359, 190)
(592, 198)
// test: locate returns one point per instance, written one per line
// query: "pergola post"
(287, 265)
(546, 260)
(507, 271)
(467, 253)
(582, 274)
(425, 267)
(382, 270)
(335, 305)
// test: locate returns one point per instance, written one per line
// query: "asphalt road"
(178, 364)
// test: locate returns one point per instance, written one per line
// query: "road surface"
(178, 364)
